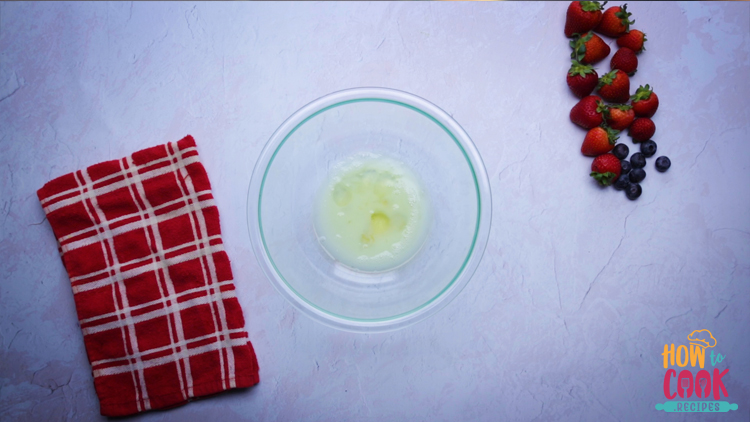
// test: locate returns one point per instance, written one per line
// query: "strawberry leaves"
(642, 93)
(578, 44)
(579, 69)
(612, 135)
(604, 179)
(624, 16)
(607, 78)
(592, 6)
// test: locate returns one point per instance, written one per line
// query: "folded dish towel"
(141, 242)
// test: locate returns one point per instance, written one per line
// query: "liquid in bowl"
(372, 213)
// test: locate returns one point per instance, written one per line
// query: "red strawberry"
(582, 79)
(615, 86)
(589, 48)
(642, 129)
(645, 102)
(587, 113)
(582, 16)
(615, 21)
(599, 140)
(633, 40)
(625, 60)
(605, 169)
(619, 116)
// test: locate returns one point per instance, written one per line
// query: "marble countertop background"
(578, 291)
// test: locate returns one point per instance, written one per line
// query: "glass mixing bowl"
(295, 163)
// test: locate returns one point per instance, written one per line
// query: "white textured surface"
(579, 288)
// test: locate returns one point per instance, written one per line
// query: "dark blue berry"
(638, 160)
(625, 167)
(621, 151)
(648, 148)
(663, 164)
(622, 182)
(633, 191)
(637, 175)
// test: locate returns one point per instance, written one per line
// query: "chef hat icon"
(702, 338)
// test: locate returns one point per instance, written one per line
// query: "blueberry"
(663, 163)
(625, 167)
(621, 151)
(638, 160)
(633, 191)
(648, 148)
(637, 175)
(622, 182)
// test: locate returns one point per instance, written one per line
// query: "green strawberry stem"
(592, 6)
(642, 93)
(611, 134)
(623, 14)
(607, 79)
(604, 179)
(580, 69)
(601, 107)
(578, 44)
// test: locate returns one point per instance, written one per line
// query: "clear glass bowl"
(294, 164)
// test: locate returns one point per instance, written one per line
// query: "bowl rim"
(348, 96)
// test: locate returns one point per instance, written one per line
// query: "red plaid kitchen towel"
(141, 242)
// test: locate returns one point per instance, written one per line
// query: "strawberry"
(582, 16)
(589, 48)
(615, 21)
(582, 79)
(599, 140)
(642, 129)
(619, 116)
(645, 102)
(605, 169)
(633, 40)
(587, 113)
(615, 86)
(625, 60)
